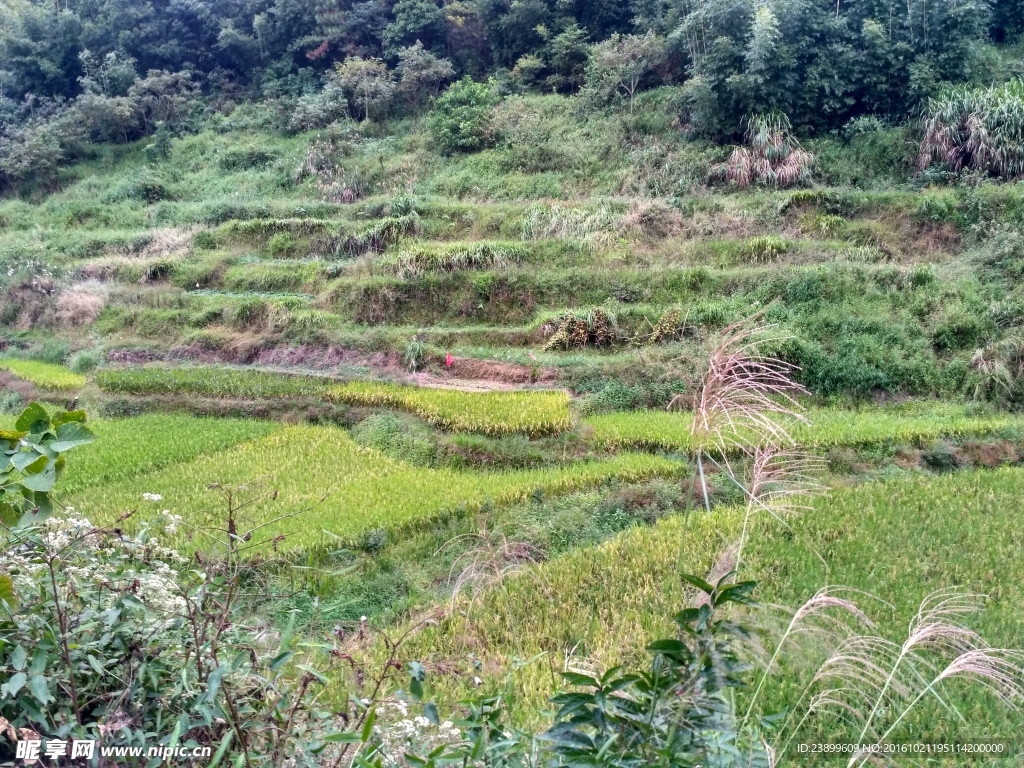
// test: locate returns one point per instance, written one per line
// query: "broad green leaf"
(280, 660)
(42, 482)
(33, 419)
(430, 712)
(343, 737)
(305, 668)
(40, 690)
(29, 462)
(222, 749)
(66, 417)
(19, 657)
(575, 678)
(72, 435)
(15, 684)
(371, 718)
(698, 582)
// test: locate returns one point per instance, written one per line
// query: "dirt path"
(465, 385)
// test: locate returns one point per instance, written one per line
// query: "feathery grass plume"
(826, 617)
(745, 397)
(979, 129)
(995, 379)
(870, 684)
(781, 483)
(487, 564)
(773, 156)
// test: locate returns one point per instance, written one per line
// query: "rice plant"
(364, 488)
(211, 381)
(44, 375)
(827, 427)
(129, 448)
(600, 606)
(492, 413)
(978, 129)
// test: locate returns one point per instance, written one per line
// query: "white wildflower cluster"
(62, 531)
(152, 497)
(171, 522)
(158, 589)
(24, 571)
(105, 565)
(404, 734)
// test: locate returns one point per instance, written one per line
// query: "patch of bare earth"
(471, 375)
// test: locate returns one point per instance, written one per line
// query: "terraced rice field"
(825, 428)
(44, 375)
(341, 489)
(898, 540)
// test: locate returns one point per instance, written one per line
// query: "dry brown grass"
(169, 241)
(81, 304)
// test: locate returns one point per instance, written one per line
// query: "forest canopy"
(75, 71)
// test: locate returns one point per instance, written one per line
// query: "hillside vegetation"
(376, 378)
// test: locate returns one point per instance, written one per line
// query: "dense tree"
(421, 74)
(368, 81)
(619, 64)
(821, 62)
(415, 21)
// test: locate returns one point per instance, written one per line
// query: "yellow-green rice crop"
(212, 381)
(364, 488)
(599, 605)
(128, 448)
(532, 412)
(828, 427)
(44, 375)
(900, 540)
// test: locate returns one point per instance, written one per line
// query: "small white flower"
(152, 497)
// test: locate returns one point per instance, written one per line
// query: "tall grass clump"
(773, 155)
(978, 129)
(420, 260)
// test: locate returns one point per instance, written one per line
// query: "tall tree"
(369, 82)
(620, 63)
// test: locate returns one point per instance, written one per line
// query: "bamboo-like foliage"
(773, 156)
(979, 129)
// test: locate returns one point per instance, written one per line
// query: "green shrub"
(85, 360)
(392, 436)
(281, 244)
(461, 117)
